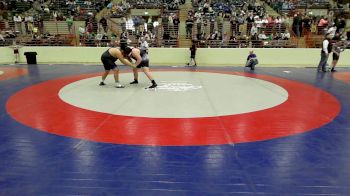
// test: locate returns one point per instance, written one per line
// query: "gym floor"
(203, 131)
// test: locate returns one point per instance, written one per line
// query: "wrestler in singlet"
(108, 60)
(144, 56)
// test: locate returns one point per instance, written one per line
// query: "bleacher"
(313, 4)
(166, 35)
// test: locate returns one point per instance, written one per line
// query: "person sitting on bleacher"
(262, 36)
(10, 34)
(323, 22)
(2, 39)
(286, 35)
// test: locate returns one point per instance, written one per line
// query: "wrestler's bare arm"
(136, 54)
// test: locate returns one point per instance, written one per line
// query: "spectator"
(99, 37)
(176, 22)
(189, 25)
(144, 44)
(147, 36)
(171, 21)
(286, 35)
(225, 40)
(199, 26)
(254, 32)
(250, 18)
(103, 23)
(323, 22)
(220, 21)
(258, 22)
(110, 5)
(297, 25)
(81, 34)
(10, 34)
(2, 37)
(29, 23)
(105, 40)
(341, 25)
(69, 22)
(54, 14)
(18, 22)
(193, 50)
(262, 36)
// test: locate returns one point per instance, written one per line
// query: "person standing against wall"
(193, 50)
(16, 48)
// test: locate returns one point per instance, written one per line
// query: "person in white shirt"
(143, 44)
(262, 36)
(17, 18)
(98, 38)
(326, 49)
(258, 22)
(286, 35)
(171, 24)
(278, 20)
(155, 23)
(18, 22)
(331, 31)
(264, 21)
(2, 38)
(29, 21)
(254, 31)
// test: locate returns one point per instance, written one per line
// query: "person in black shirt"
(297, 25)
(189, 25)
(193, 50)
(108, 59)
(103, 22)
(176, 22)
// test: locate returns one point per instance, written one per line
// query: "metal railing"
(166, 37)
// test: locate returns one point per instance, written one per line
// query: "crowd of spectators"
(164, 4)
(288, 6)
(250, 25)
(305, 23)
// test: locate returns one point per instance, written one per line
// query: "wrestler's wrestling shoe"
(118, 85)
(134, 82)
(102, 84)
(154, 85)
